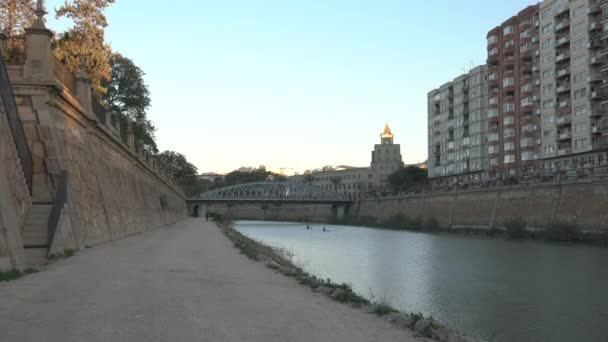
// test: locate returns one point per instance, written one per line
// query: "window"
(527, 128)
(547, 28)
(546, 14)
(509, 120)
(492, 76)
(548, 104)
(525, 142)
(528, 155)
(492, 137)
(548, 59)
(578, 28)
(492, 40)
(580, 93)
(493, 100)
(526, 87)
(509, 43)
(547, 43)
(507, 30)
(492, 113)
(526, 101)
(508, 107)
(577, 12)
(508, 133)
(493, 52)
(580, 110)
(547, 74)
(510, 158)
(493, 149)
(578, 60)
(494, 162)
(549, 149)
(580, 127)
(580, 143)
(578, 44)
(548, 89)
(580, 77)
(508, 82)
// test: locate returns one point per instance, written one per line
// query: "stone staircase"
(35, 235)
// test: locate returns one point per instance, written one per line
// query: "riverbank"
(183, 282)
(281, 262)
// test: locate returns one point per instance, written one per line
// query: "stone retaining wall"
(584, 204)
(15, 200)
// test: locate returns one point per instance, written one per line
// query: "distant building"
(457, 126)
(354, 181)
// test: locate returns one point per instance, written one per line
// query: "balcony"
(562, 41)
(595, 25)
(564, 24)
(564, 151)
(562, 72)
(562, 88)
(563, 104)
(562, 57)
(595, 77)
(564, 120)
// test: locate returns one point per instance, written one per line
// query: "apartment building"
(574, 69)
(513, 112)
(457, 126)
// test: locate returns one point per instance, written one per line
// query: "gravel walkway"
(181, 283)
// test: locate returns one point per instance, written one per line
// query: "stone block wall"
(15, 202)
(271, 212)
(584, 204)
(113, 192)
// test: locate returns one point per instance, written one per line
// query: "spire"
(40, 12)
(387, 133)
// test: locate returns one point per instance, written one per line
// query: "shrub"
(432, 225)
(563, 231)
(516, 228)
(383, 308)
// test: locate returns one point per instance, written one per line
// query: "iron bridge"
(276, 192)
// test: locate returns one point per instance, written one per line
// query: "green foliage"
(383, 309)
(563, 231)
(432, 225)
(241, 177)
(407, 178)
(85, 38)
(176, 165)
(15, 274)
(516, 228)
(16, 16)
(128, 96)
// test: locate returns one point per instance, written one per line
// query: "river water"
(494, 289)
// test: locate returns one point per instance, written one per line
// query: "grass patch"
(15, 274)
(383, 309)
(68, 252)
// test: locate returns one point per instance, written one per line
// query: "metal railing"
(13, 50)
(23, 150)
(65, 76)
(61, 198)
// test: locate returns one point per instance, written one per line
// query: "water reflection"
(520, 291)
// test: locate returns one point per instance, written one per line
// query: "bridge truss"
(270, 192)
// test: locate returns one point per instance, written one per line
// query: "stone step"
(35, 231)
(36, 257)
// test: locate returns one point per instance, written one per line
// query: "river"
(494, 289)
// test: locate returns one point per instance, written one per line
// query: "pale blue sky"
(297, 84)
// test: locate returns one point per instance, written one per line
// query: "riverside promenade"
(180, 283)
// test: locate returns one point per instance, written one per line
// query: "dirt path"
(181, 283)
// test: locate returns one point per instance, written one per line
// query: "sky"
(296, 84)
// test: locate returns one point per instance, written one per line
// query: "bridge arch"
(270, 192)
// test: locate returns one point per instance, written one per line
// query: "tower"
(386, 138)
(386, 157)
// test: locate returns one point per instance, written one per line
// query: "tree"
(336, 181)
(309, 179)
(176, 165)
(86, 39)
(16, 16)
(128, 96)
(407, 178)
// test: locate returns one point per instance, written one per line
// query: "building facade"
(353, 182)
(457, 126)
(574, 54)
(513, 83)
